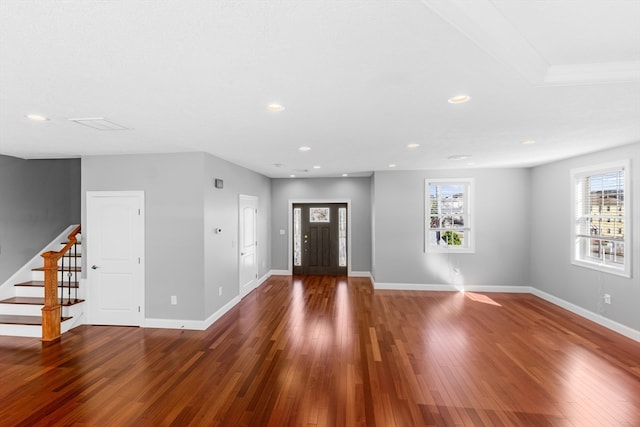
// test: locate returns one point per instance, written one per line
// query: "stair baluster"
(52, 312)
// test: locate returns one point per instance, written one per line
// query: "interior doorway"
(115, 256)
(320, 238)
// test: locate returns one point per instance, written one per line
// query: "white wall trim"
(361, 274)
(582, 312)
(291, 202)
(589, 315)
(24, 274)
(279, 273)
(198, 325)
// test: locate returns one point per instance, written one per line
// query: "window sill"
(603, 268)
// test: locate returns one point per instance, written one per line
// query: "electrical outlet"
(174, 300)
(220, 291)
(607, 298)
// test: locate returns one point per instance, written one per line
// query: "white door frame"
(242, 292)
(290, 228)
(141, 236)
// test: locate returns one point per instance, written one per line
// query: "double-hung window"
(601, 227)
(449, 224)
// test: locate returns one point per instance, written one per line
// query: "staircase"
(21, 314)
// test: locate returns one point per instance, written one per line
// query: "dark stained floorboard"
(326, 351)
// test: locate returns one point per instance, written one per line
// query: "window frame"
(578, 258)
(469, 226)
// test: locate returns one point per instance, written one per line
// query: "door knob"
(94, 267)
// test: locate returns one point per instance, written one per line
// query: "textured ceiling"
(359, 79)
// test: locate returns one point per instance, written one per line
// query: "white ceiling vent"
(99, 123)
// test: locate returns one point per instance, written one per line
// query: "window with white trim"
(601, 228)
(448, 222)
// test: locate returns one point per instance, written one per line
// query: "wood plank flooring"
(326, 351)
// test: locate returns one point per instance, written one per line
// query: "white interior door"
(115, 255)
(248, 241)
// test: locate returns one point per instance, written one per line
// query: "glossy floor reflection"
(326, 351)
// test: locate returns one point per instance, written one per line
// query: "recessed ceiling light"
(304, 148)
(292, 176)
(459, 99)
(459, 156)
(316, 167)
(345, 174)
(528, 142)
(275, 107)
(37, 117)
(413, 145)
(392, 165)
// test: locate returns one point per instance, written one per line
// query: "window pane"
(599, 209)
(448, 224)
(297, 237)
(342, 237)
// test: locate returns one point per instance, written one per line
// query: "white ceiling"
(360, 79)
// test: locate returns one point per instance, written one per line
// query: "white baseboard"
(589, 315)
(361, 274)
(279, 273)
(594, 317)
(197, 325)
(24, 274)
(351, 274)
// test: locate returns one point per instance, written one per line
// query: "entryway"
(320, 238)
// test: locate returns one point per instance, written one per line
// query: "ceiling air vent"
(99, 123)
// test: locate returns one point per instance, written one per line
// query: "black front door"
(320, 238)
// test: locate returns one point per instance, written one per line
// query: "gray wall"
(183, 257)
(551, 268)
(221, 211)
(38, 200)
(502, 218)
(355, 189)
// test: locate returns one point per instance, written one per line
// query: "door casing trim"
(290, 230)
(140, 194)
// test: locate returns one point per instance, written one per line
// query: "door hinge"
(138, 212)
(256, 275)
(138, 309)
(138, 260)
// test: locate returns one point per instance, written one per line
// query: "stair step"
(38, 301)
(40, 284)
(66, 268)
(13, 319)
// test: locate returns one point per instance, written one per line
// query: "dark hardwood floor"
(325, 351)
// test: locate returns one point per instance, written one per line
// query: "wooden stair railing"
(52, 310)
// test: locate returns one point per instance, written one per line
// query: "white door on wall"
(248, 242)
(115, 257)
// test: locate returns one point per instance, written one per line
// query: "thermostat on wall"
(219, 183)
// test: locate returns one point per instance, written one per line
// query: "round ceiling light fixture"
(37, 117)
(304, 148)
(275, 107)
(413, 145)
(459, 99)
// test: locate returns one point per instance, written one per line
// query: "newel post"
(51, 312)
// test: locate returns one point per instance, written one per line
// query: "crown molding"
(485, 26)
(609, 72)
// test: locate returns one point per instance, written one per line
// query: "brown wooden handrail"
(51, 312)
